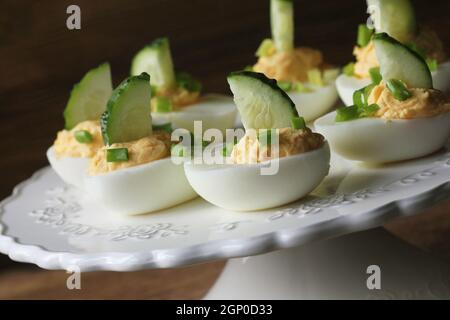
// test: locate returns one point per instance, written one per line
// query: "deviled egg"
(402, 117)
(300, 72)
(177, 96)
(133, 173)
(277, 161)
(397, 18)
(79, 141)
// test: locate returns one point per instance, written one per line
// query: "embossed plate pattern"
(56, 227)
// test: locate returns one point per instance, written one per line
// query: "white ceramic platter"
(56, 227)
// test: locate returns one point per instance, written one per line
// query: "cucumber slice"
(156, 60)
(395, 17)
(88, 97)
(282, 24)
(399, 62)
(260, 102)
(127, 116)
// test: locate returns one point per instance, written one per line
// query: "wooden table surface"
(41, 60)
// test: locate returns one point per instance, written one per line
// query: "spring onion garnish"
(298, 123)
(163, 104)
(375, 75)
(432, 64)
(315, 77)
(300, 87)
(265, 136)
(361, 96)
(266, 48)
(347, 113)
(116, 154)
(398, 89)
(153, 89)
(368, 110)
(178, 150)
(163, 127)
(248, 68)
(186, 81)
(349, 69)
(227, 149)
(364, 35)
(285, 85)
(83, 136)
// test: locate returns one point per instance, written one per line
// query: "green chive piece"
(298, 123)
(432, 64)
(398, 89)
(367, 91)
(315, 77)
(369, 110)
(163, 104)
(375, 75)
(347, 113)
(178, 150)
(300, 87)
(359, 98)
(227, 149)
(329, 75)
(248, 68)
(186, 81)
(285, 85)
(265, 136)
(163, 127)
(364, 35)
(349, 69)
(83, 136)
(116, 154)
(266, 48)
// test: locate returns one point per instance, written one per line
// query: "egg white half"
(241, 187)
(311, 105)
(379, 141)
(346, 85)
(69, 169)
(141, 189)
(214, 110)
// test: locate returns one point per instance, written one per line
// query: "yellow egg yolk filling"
(290, 142)
(66, 144)
(145, 150)
(423, 103)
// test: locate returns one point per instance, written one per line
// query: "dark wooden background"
(40, 59)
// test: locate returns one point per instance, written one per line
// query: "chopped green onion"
(186, 81)
(265, 136)
(83, 136)
(364, 35)
(248, 68)
(375, 75)
(329, 75)
(432, 64)
(369, 110)
(285, 85)
(298, 123)
(347, 113)
(178, 150)
(163, 127)
(163, 104)
(116, 154)
(227, 149)
(300, 87)
(315, 77)
(266, 48)
(398, 89)
(359, 99)
(361, 96)
(349, 69)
